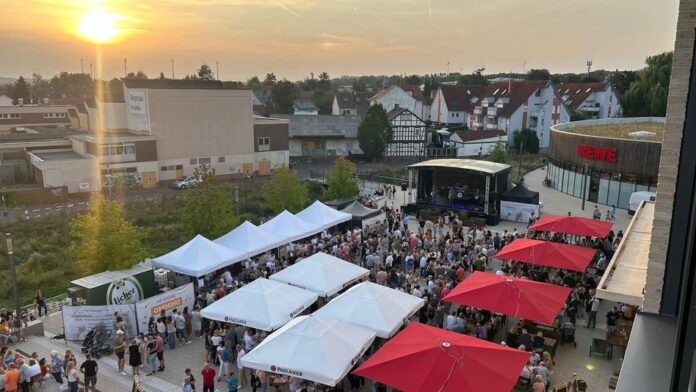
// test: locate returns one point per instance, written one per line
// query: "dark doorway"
(593, 193)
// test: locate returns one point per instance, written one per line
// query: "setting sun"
(99, 26)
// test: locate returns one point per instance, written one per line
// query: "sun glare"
(99, 26)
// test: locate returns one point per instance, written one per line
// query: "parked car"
(636, 198)
(187, 182)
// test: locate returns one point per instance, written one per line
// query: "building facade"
(305, 107)
(350, 104)
(33, 116)
(409, 134)
(590, 100)
(322, 135)
(407, 97)
(476, 143)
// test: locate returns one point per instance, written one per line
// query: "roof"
(39, 133)
(304, 104)
(355, 101)
(464, 164)
(469, 136)
(106, 277)
(58, 156)
(574, 94)
(396, 112)
(322, 125)
(458, 98)
(260, 96)
(520, 194)
(412, 90)
(173, 84)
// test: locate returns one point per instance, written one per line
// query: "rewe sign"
(588, 151)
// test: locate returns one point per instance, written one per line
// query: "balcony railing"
(476, 124)
(492, 111)
(491, 125)
(478, 110)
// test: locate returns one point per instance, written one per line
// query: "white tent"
(250, 238)
(311, 348)
(375, 307)
(291, 227)
(323, 215)
(262, 304)
(198, 257)
(321, 273)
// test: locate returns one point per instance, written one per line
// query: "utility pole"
(125, 67)
(82, 66)
(172, 68)
(217, 70)
(13, 279)
(236, 199)
(589, 66)
(447, 64)
(524, 66)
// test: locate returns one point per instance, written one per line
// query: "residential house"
(476, 143)
(305, 107)
(453, 105)
(350, 104)
(407, 96)
(258, 101)
(409, 134)
(592, 100)
(322, 135)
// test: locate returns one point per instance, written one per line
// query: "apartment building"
(19, 116)
(590, 100)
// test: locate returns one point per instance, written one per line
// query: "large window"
(264, 143)
(117, 149)
(10, 116)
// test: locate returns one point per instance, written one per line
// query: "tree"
(647, 96)
(209, 208)
(69, 85)
(21, 90)
(324, 101)
(283, 96)
(538, 74)
(162, 77)
(340, 182)
(498, 153)
(140, 75)
(103, 240)
(476, 78)
(578, 116)
(284, 191)
(413, 80)
(40, 88)
(205, 73)
(324, 77)
(254, 83)
(359, 86)
(270, 79)
(526, 140)
(621, 81)
(375, 132)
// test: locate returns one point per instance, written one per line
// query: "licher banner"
(168, 301)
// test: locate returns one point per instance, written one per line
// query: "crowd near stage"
(463, 185)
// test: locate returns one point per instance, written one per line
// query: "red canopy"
(573, 225)
(429, 359)
(550, 254)
(540, 302)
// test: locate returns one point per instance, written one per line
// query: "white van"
(636, 198)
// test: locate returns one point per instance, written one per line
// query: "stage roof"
(464, 164)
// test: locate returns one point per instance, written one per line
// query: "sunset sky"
(343, 37)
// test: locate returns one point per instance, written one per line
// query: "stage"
(464, 185)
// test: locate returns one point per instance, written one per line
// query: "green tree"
(475, 78)
(578, 116)
(647, 96)
(205, 72)
(621, 81)
(21, 90)
(140, 75)
(538, 74)
(526, 141)
(254, 83)
(40, 88)
(103, 240)
(413, 80)
(284, 191)
(498, 153)
(209, 208)
(283, 95)
(162, 77)
(359, 85)
(270, 79)
(375, 132)
(324, 100)
(341, 182)
(72, 85)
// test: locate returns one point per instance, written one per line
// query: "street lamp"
(13, 278)
(236, 199)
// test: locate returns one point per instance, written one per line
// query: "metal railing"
(54, 304)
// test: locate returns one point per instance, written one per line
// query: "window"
(204, 161)
(116, 149)
(538, 93)
(179, 167)
(264, 143)
(10, 116)
(54, 115)
(221, 159)
(193, 161)
(163, 168)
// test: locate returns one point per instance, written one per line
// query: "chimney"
(510, 85)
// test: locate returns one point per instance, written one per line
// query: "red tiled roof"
(468, 136)
(574, 94)
(458, 98)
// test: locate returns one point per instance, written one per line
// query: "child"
(232, 383)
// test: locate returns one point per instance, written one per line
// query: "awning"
(311, 348)
(321, 273)
(540, 302)
(250, 238)
(262, 304)
(359, 211)
(548, 254)
(375, 307)
(198, 257)
(573, 225)
(291, 227)
(427, 359)
(323, 215)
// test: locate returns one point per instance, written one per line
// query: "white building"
(407, 97)
(593, 100)
(322, 135)
(350, 104)
(305, 107)
(409, 134)
(453, 105)
(476, 143)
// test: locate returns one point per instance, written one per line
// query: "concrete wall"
(108, 116)
(472, 149)
(79, 175)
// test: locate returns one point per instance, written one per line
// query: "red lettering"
(581, 150)
(600, 153)
(607, 154)
(611, 155)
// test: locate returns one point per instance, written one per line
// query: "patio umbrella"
(573, 225)
(522, 298)
(549, 254)
(425, 358)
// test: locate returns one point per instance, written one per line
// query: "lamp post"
(13, 278)
(236, 199)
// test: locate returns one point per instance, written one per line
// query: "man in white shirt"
(416, 292)
(451, 321)
(242, 374)
(248, 341)
(423, 265)
(592, 317)
(389, 262)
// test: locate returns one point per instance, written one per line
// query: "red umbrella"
(550, 254)
(429, 359)
(573, 225)
(522, 298)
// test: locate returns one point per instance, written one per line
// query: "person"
(232, 382)
(56, 368)
(180, 326)
(189, 381)
(240, 368)
(73, 376)
(188, 324)
(171, 333)
(208, 374)
(248, 340)
(135, 359)
(196, 321)
(572, 309)
(4, 332)
(543, 371)
(612, 318)
(89, 368)
(538, 385)
(612, 214)
(159, 345)
(24, 374)
(152, 353)
(119, 345)
(226, 358)
(596, 214)
(263, 379)
(592, 315)
(40, 300)
(12, 378)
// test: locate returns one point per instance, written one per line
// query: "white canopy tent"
(323, 215)
(321, 273)
(311, 348)
(375, 307)
(291, 227)
(251, 239)
(198, 257)
(262, 304)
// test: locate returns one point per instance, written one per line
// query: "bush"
(526, 140)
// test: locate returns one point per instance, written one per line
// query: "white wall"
(472, 149)
(79, 175)
(394, 96)
(5, 100)
(108, 116)
(137, 112)
(438, 110)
